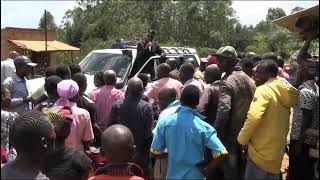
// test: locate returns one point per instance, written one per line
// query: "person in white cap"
(17, 85)
(7, 66)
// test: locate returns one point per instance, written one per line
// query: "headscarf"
(60, 118)
(67, 89)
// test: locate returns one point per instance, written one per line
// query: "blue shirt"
(186, 136)
(19, 91)
(170, 109)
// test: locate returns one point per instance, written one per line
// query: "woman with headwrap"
(81, 133)
(64, 163)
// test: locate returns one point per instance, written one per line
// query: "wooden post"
(71, 56)
(46, 38)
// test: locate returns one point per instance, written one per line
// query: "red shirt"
(121, 171)
(108, 177)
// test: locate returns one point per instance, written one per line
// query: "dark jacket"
(137, 115)
(143, 54)
(208, 103)
(236, 92)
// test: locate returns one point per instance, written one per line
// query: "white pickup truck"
(121, 61)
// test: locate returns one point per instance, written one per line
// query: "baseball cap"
(226, 52)
(212, 59)
(23, 60)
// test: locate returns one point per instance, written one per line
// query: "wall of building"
(21, 34)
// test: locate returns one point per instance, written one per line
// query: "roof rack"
(130, 47)
(174, 50)
(168, 50)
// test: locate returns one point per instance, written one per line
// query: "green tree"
(275, 13)
(50, 22)
(205, 25)
(296, 9)
(187, 23)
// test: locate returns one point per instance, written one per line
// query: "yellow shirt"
(198, 75)
(267, 124)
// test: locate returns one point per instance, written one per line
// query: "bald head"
(109, 77)
(192, 61)
(173, 63)
(163, 70)
(118, 144)
(13, 54)
(212, 73)
(166, 96)
(135, 86)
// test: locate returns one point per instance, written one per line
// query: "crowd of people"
(225, 119)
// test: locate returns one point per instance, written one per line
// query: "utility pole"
(45, 36)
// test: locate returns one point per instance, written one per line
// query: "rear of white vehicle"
(121, 61)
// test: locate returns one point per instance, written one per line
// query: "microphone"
(150, 44)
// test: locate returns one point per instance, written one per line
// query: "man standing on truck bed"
(146, 49)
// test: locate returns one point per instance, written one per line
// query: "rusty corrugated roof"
(39, 46)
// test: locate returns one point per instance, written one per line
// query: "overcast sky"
(26, 14)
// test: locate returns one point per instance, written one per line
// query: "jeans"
(254, 172)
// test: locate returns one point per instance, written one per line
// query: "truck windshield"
(96, 62)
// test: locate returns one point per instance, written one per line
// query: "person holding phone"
(146, 49)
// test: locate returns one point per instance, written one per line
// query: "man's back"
(186, 136)
(8, 172)
(236, 92)
(154, 89)
(104, 99)
(81, 129)
(270, 110)
(137, 115)
(66, 163)
(209, 102)
(7, 69)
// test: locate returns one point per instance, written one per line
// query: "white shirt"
(7, 69)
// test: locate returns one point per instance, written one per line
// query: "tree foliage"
(204, 25)
(296, 9)
(275, 13)
(51, 25)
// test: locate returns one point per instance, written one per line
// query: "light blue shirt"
(186, 136)
(19, 91)
(170, 109)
